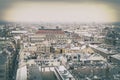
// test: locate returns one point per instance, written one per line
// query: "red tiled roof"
(49, 31)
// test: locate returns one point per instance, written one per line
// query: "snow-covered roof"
(22, 73)
(96, 57)
(117, 56)
(100, 49)
(17, 37)
(64, 73)
(75, 48)
(19, 32)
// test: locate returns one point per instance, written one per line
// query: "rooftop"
(64, 73)
(22, 73)
(36, 74)
(50, 31)
(117, 56)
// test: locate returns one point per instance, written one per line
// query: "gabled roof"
(86, 49)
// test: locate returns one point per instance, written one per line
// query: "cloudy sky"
(60, 10)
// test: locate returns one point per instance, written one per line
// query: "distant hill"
(4, 22)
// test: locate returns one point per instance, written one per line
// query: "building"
(43, 47)
(36, 38)
(4, 67)
(63, 73)
(53, 35)
(7, 61)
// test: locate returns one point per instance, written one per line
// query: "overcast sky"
(60, 11)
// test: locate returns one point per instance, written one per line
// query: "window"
(1, 76)
(1, 71)
(75, 57)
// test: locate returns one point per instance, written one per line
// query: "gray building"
(7, 61)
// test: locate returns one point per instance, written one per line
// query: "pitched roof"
(50, 31)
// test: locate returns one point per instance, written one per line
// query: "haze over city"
(86, 11)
